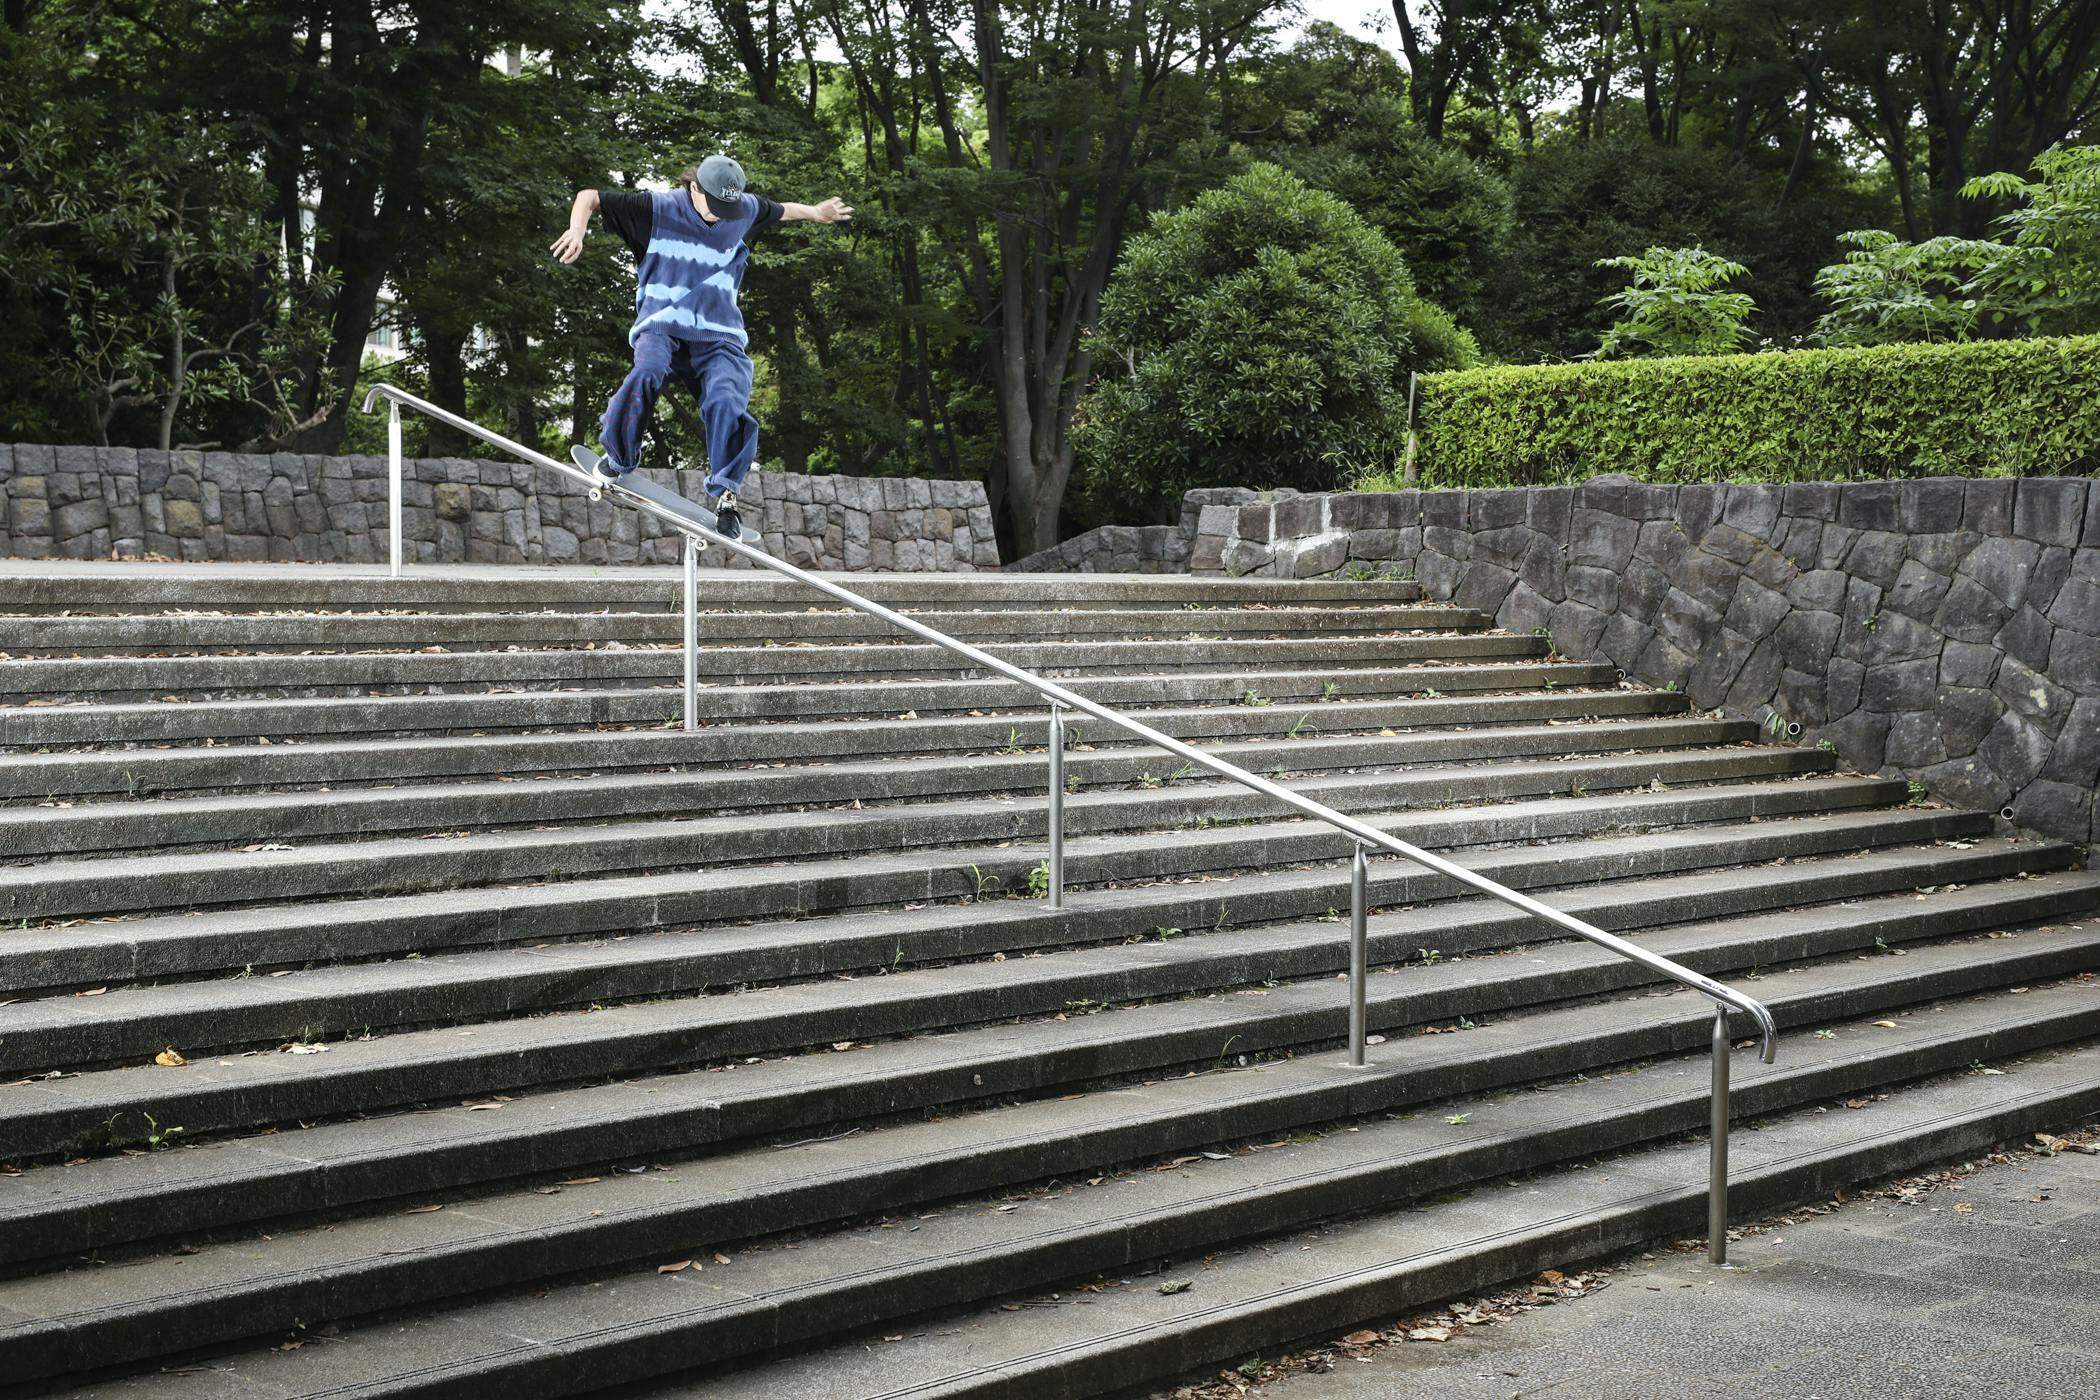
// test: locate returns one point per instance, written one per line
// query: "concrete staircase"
(394, 1001)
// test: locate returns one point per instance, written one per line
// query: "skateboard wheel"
(597, 493)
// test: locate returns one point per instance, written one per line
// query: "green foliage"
(1677, 304)
(2022, 407)
(1262, 336)
(1578, 203)
(1887, 291)
(2049, 277)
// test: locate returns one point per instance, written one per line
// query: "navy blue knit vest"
(691, 271)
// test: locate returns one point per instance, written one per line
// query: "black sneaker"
(728, 520)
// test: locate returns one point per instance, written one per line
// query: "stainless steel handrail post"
(692, 633)
(1359, 953)
(1717, 1150)
(393, 485)
(1057, 806)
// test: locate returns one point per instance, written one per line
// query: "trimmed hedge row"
(1991, 408)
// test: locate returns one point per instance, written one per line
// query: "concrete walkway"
(1987, 1285)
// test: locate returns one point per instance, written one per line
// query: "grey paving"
(1874, 1301)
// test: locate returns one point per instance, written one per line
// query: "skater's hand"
(833, 211)
(569, 246)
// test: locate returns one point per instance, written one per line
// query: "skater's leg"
(632, 403)
(725, 413)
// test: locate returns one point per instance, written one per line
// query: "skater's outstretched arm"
(569, 246)
(831, 211)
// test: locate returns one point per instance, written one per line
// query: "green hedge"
(1994, 408)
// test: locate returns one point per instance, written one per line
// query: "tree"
(1263, 336)
(1677, 304)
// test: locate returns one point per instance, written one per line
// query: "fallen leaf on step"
(1429, 1334)
(1964, 1208)
(1886, 1025)
(909, 714)
(479, 1107)
(678, 1267)
(842, 1045)
(581, 1181)
(264, 846)
(1179, 1285)
(721, 1259)
(92, 992)
(546, 1190)
(423, 1210)
(1551, 1276)
(170, 1056)
(1359, 1339)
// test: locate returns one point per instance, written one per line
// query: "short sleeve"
(630, 214)
(768, 217)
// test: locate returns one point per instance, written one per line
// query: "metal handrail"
(1062, 699)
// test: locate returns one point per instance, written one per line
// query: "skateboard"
(635, 484)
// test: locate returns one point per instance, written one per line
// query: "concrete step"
(31, 723)
(595, 1332)
(130, 1198)
(240, 819)
(189, 633)
(1242, 861)
(364, 673)
(1496, 725)
(461, 859)
(326, 1003)
(69, 1113)
(1319, 1284)
(56, 586)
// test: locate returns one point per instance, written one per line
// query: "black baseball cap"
(722, 181)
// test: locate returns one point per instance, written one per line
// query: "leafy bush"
(1978, 409)
(2050, 276)
(1677, 304)
(1261, 337)
(1887, 291)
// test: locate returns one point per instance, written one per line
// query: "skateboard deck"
(635, 484)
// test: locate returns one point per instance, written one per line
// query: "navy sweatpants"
(719, 375)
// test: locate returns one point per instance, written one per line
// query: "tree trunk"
(446, 352)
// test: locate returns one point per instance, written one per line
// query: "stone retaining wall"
(1146, 549)
(117, 502)
(1945, 630)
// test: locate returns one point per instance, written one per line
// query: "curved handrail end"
(372, 395)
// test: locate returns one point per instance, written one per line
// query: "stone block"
(1801, 696)
(81, 518)
(1520, 608)
(2076, 755)
(1943, 553)
(1843, 681)
(1600, 539)
(1642, 588)
(2050, 509)
(2016, 748)
(1549, 508)
(1917, 591)
(1718, 664)
(1300, 518)
(1914, 741)
(2062, 810)
(1499, 509)
(1727, 542)
(1753, 509)
(1446, 509)
(1968, 664)
(1967, 782)
(1970, 612)
(1987, 505)
(1869, 505)
(1930, 506)
(2028, 692)
(1836, 544)
(1709, 578)
(1876, 556)
(2004, 567)
(1810, 500)
(1624, 641)
(1697, 509)
(1605, 494)
(2027, 637)
(1755, 610)
(1577, 629)
(1597, 588)
(1807, 640)
(2077, 606)
(1685, 622)
(1321, 557)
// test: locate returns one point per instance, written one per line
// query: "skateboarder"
(690, 246)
